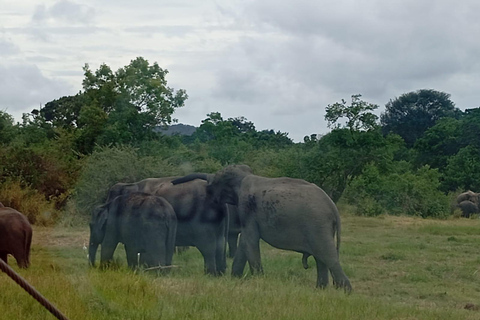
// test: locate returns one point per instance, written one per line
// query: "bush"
(109, 165)
(399, 192)
(28, 201)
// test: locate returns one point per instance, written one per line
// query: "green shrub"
(401, 191)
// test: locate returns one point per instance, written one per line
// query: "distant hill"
(180, 129)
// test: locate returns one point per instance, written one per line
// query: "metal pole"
(31, 290)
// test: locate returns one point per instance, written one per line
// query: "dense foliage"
(67, 154)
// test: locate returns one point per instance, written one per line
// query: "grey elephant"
(469, 196)
(468, 208)
(144, 223)
(200, 223)
(289, 214)
(15, 236)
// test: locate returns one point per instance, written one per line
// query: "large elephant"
(15, 236)
(144, 223)
(469, 196)
(468, 208)
(287, 213)
(201, 223)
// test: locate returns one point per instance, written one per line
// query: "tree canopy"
(411, 114)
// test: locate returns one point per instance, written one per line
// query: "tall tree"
(411, 114)
(335, 159)
(135, 99)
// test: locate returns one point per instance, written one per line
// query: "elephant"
(468, 208)
(470, 196)
(200, 223)
(15, 236)
(144, 223)
(289, 214)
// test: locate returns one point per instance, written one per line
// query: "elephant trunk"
(92, 252)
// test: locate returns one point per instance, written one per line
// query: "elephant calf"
(15, 236)
(144, 223)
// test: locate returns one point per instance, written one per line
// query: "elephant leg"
(21, 259)
(106, 255)
(155, 253)
(208, 251)
(325, 251)
(240, 259)
(250, 242)
(20, 255)
(322, 274)
(339, 278)
(132, 256)
(232, 244)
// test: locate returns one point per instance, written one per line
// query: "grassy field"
(399, 267)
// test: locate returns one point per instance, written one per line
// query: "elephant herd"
(206, 210)
(152, 216)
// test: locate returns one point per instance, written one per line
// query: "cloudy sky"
(278, 63)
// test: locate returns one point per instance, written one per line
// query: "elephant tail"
(28, 243)
(337, 229)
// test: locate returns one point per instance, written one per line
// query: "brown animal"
(15, 236)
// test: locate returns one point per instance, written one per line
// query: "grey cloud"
(375, 48)
(24, 87)
(8, 48)
(65, 11)
(169, 31)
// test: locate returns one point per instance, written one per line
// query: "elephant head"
(97, 231)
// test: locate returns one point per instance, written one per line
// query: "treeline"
(61, 159)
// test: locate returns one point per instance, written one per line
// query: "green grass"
(400, 268)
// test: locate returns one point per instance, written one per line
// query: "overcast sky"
(278, 63)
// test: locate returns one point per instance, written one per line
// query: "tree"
(411, 114)
(357, 114)
(214, 127)
(62, 112)
(335, 159)
(463, 170)
(136, 99)
(439, 142)
(7, 129)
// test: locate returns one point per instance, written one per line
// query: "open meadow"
(399, 267)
